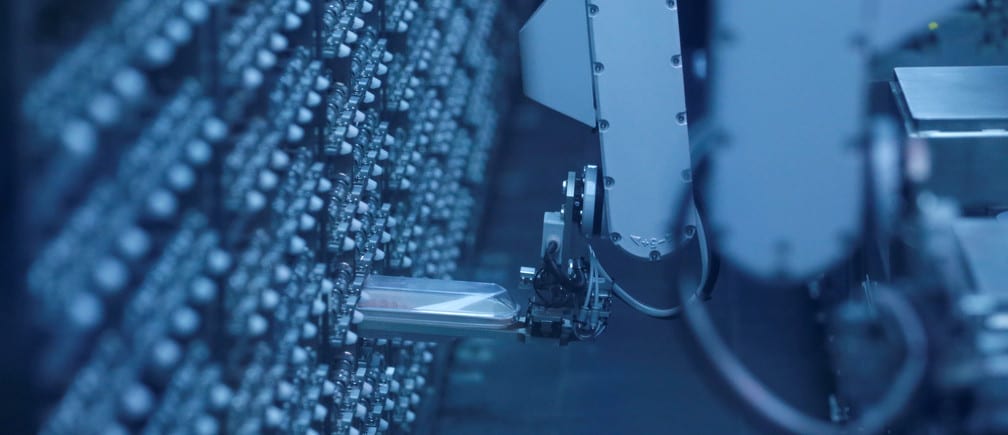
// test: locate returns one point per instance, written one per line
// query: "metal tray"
(435, 307)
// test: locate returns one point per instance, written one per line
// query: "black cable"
(710, 262)
(783, 416)
(713, 258)
(551, 265)
(766, 405)
(539, 283)
(658, 313)
(549, 276)
(706, 292)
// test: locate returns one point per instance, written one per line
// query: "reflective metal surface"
(971, 98)
(434, 306)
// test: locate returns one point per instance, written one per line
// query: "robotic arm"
(790, 160)
(785, 203)
(617, 66)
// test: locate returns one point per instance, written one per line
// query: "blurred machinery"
(244, 216)
(800, 177)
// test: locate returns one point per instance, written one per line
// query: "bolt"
(609, 181)
(603, 125)
(615, 237)
(677, 61)
(592, 9)
(655, 255)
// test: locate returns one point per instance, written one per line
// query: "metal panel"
(963, 114)
(437, 307)
(786, 183)
(642, 120)
(556, 67)
(985, 245)
(971, 98)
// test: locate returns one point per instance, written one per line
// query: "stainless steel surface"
(553, 231)
(435, 307)
(962, 112)
(955, 99)
(556, 67)
(983, 243)
(589, 203)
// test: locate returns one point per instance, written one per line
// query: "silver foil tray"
(394, 305)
